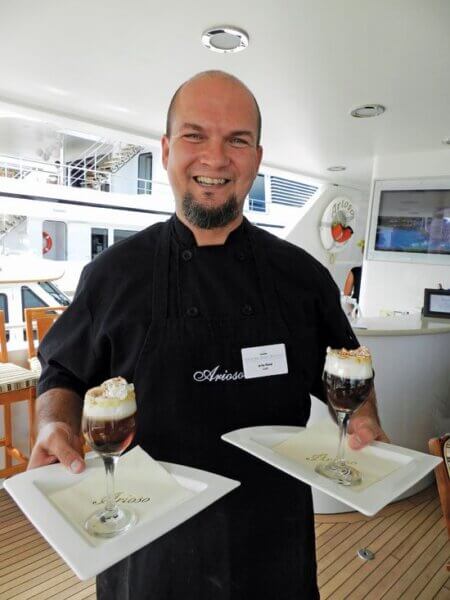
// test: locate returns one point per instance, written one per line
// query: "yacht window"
(30, 300)
(55, 292)
(145, 165)
(54, 240)
(99, 241)
(121, 234)
(257, 195)
(4, 306)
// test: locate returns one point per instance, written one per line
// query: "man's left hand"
(363, 430)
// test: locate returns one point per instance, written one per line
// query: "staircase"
(93, 167)
(119, 157)
(10, 222)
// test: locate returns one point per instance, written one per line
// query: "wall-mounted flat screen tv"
(411, 222)
(414, 221)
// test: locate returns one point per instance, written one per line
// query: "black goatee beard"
(210, 218)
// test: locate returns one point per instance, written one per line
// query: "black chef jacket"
(101, 332)
(250, 291)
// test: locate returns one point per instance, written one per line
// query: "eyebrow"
(192, 126)
(242, 132)
(239, 132)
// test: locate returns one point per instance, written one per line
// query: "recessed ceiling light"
(336, 168)
(368, 110)
(225, 39)
(446, 141)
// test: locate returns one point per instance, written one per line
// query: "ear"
(165, 143)
(259, 155)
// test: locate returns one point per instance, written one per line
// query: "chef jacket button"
(240, 256)
(247, 310)
(186, 255)
(192, 311)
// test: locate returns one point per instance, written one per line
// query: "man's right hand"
(56, 442)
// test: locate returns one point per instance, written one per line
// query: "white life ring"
(47, 242)
(337, 225)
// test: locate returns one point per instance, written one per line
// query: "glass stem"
(342, 418)
(110, 463)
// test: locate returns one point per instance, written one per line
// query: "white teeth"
(210, 180)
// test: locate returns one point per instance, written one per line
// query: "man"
(170, 309)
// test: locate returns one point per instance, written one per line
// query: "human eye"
(238, 141)
(193, 137)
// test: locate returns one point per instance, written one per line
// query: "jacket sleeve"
(335, 330)
(70, 354)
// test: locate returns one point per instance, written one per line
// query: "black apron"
(258, 541)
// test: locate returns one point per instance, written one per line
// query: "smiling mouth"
(210, 181)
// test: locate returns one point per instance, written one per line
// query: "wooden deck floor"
(411, 548)
(408, 538)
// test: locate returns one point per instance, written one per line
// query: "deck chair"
(16, 385)
(3, 346)
(38, 321)
(441, 447)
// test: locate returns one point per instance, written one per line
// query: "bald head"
(210, 75)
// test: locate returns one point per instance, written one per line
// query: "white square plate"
(413, 465)
(87, 560)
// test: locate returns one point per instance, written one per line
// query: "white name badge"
(262, 361)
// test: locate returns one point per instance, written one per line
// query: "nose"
(215, 154)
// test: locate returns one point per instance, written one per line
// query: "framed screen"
(437, 303)
(410, 221)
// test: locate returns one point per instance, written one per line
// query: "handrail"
(91, 150)
(61, 173)
(117, 153)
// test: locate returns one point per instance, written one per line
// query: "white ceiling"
(309, 62)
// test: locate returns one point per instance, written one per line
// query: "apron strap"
(160, 293)
(263, 269)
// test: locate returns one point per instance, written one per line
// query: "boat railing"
(76, 174)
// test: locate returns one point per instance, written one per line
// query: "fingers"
(66, 453)
(57, 443)
(361, 437)
(40, 458)
(363, 431)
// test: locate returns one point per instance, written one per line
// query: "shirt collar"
(187, 238)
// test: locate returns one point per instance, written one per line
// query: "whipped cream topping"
(349, 364)
(114, 399)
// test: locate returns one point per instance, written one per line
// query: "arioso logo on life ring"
(337, 224)
(47, 242)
